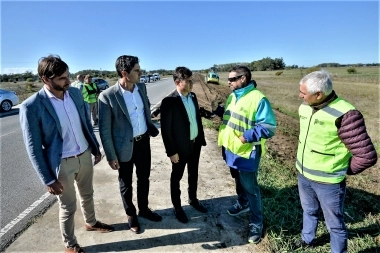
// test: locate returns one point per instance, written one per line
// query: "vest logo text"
(316, 121)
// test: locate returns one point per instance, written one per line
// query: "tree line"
(265, 64)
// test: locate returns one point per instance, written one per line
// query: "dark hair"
(181, 73)
(242, 70)
(125, 63)
(51, 66)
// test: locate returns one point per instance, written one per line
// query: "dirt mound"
(209, 94)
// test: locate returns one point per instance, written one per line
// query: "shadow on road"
(9, 113)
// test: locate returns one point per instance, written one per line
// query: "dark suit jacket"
(42, 132)
(115, 127)
(175, 125)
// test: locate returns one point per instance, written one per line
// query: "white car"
(144, 79)
(152, 78)
(8, 99)
(157, 75)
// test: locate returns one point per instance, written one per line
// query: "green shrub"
(278, 73)
(312, 69)
(29, 80)
(351, 71)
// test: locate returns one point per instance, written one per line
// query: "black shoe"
(302, 244)
(148, 214)
(198, 206)
(133, 223)
(180, 215)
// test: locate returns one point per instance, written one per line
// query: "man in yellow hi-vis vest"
(90, 95)
(248, 121)
(333, 142)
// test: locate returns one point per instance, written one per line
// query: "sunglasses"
(233, 79)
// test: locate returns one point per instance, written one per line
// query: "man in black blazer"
(183, 136)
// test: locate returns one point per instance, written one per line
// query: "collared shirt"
(135, 107)
(191, 113)
(74, 141)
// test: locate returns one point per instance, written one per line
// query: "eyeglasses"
(233, 79)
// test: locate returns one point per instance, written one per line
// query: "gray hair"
(318, 81)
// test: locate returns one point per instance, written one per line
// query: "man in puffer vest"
(333, 142)
(90, 95)
(248, 121)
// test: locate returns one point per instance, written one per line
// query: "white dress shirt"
(74, 141)
(135, 107)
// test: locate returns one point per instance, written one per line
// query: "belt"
(75, 156)
(139, 137)
(192, 141)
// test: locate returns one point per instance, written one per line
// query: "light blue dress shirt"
(190, 109)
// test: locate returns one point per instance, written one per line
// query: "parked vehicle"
(144, 79)
(152, 78)
(8, 99)
(157, 75)
(212, 77)
(101, 83)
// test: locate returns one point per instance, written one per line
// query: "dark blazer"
(43, 134)
(115, 127)
(175, 125)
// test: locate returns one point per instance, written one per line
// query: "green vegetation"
(312, 69)
(209, 124)
(278, 73)
(283, 213)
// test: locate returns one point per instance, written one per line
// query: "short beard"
(59, 88)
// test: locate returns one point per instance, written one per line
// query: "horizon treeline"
(265, 64)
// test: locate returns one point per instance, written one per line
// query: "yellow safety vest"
(321, 155)
(89, 93)
(236, 120)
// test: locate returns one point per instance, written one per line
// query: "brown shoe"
(74, 249)
(133, 223)
(99, 226)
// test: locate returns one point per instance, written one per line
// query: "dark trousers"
(141, 158)
(178, 169)
(242, 196)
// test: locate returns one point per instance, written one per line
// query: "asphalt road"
(22, 196)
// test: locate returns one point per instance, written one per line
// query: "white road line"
(159, 103)
(7, 134)
(23, 214)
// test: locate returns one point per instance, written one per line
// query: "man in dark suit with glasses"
(183, 136)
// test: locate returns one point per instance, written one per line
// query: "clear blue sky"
(196, 34)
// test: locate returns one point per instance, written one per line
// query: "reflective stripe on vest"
(321, 155)
(89, 93)
(236, 120)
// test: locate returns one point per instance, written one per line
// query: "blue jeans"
(242, 196)
(251, 188)
(330, 198)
